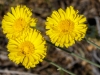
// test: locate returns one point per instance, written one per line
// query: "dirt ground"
(41, 9)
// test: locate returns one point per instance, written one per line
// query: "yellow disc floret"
(66, 27)
(28, 49)
(17, 21)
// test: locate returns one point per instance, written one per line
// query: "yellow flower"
(66, 27)
(28, 49)
(14, 23)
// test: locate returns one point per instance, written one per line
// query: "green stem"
(85, 60)
(61, 72)
(92, 43)
(73, 54)
(59, 67)
(59, 47)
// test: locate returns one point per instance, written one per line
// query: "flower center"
(19, 25)
(27, 48)
(66, 26)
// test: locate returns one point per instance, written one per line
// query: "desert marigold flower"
(14, 23)
(28, 49)
(66, 27)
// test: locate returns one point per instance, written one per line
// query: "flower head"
(14, 23)
(66, 27)
(28, 49)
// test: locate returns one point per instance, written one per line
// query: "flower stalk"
(92, 43)
(59, 67)
(75, 55)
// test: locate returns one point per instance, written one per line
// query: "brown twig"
(16, 72)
